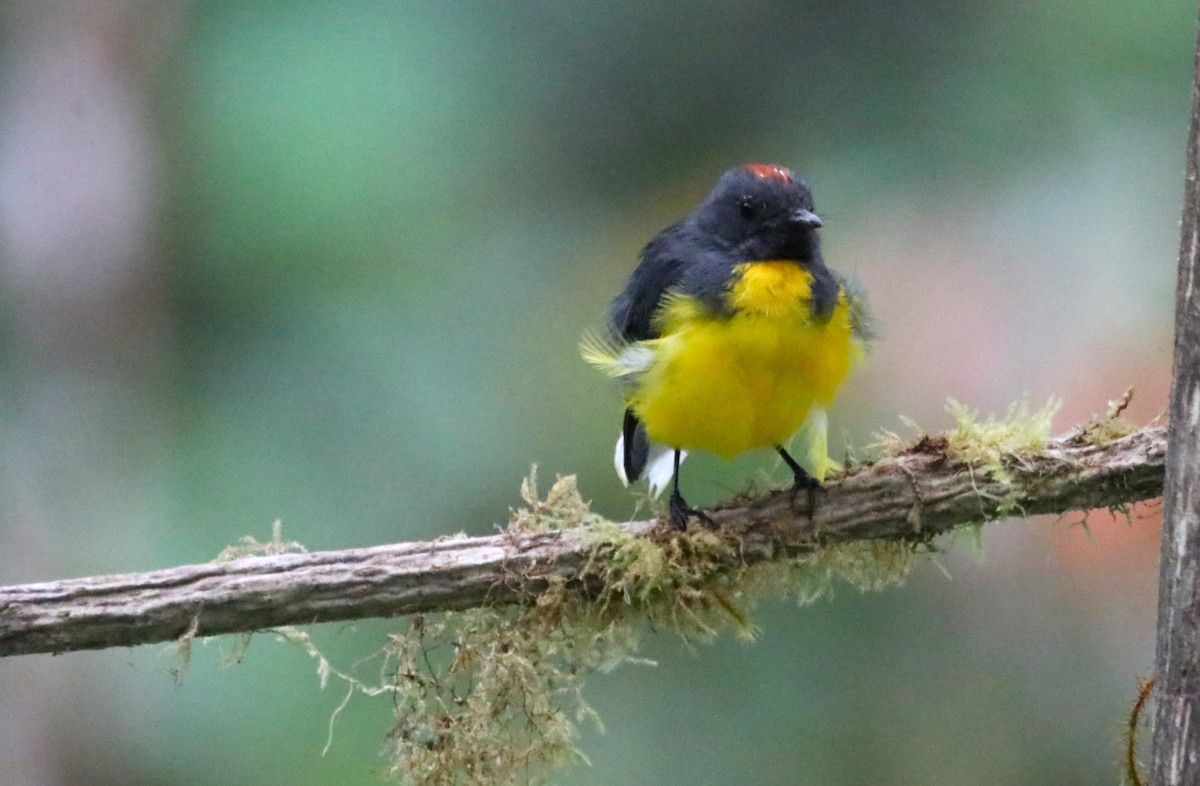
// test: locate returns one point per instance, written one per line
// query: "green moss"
(491, 696)
(495, 696)
(563, 507)
(865, 565)
(1099, 430)
(988, 446)
(250, 546)
(988, 443)
(991, 445)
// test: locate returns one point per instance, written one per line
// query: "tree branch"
(915, 495)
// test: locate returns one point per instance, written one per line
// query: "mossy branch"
(928, 487)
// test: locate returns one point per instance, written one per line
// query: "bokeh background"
(328, 263)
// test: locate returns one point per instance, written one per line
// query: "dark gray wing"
(660, 271)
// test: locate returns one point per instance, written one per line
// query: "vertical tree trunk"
(1176, 758)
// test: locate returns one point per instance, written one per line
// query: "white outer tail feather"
(659, 469)
(619, 459)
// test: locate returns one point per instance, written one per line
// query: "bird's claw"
(680, 512)
(806, 482)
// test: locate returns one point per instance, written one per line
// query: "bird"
(732, 335)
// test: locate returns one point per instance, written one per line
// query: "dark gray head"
(760, 211)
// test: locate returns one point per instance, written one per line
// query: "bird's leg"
(680, 511)
(801, 481)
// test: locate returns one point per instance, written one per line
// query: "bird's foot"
(807, 483)
(679, 512)
(801, 481)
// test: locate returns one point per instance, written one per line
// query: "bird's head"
(761, 211)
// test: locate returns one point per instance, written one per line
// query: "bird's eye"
(749, 207)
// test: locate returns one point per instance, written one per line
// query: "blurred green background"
(328, 263)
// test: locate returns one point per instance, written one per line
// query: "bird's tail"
(633, 457)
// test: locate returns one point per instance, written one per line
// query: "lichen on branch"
(495, 695)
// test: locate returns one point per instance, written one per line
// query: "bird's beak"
(805, 218)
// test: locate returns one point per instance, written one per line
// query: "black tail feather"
(637, 447)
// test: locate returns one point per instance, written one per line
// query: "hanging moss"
(495, 695)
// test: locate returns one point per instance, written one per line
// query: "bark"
(915, 495)
(1176, 751)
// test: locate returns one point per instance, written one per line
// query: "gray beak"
(805, 218)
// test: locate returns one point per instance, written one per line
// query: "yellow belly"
(730, 384)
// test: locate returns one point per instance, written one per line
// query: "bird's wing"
(659, 272)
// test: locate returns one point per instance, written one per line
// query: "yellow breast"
(771, 289)
(727, 384)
